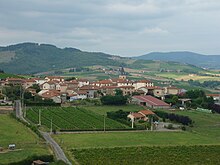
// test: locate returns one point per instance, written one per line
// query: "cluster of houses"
(60, 90)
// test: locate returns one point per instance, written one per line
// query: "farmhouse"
(141, 115)
(136, 116)
(150, 101)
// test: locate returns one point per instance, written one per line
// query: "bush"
(141, 121)
(114, 100)
(185, 120)
(183, 128)
(30, 159)
(170, 126)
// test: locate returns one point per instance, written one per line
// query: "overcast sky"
(121, 27)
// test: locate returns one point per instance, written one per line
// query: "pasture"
(27, 143)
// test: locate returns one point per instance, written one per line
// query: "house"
(49, 85)
(28, 83)
(72, 84)
(102, 83)
(83, 82)
(81, 94)
(141, 115)
(142, 83)
(54, 78)
(136, 116)
(63, 87)
(171, 90)
(53, 95)
(91, 90)
(109, 90)
(13, 81)
(150, 101)
(127, 90)
(155, 91)
(122, 82)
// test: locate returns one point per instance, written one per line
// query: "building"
(141, 115)
(13, 81)
(142, 83)
(127, 90)
(216, 97)
(54, 78)
(150, 101)
(172, 90)
(53, 95)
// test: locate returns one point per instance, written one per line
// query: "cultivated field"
(198, 145)
(71, 118)
(102, 110)
(27, 143)
(171, 155)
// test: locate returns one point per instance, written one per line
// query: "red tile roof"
(89, 87)
(137, 115)
(50, 93)
(213, 95)
(146, 112)
(151, 100)
(144, 81)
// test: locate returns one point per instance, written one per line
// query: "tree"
(118, 92)
(36, 87)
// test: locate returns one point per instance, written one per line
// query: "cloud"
(122, 27)
(155, 30)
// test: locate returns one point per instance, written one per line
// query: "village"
(56, 107)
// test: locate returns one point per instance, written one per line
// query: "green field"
(172, 155)
(6, 75)
(102, 110)
(71, 118)
(114, 144)
(27, 143)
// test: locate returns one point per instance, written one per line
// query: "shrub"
(170, 126)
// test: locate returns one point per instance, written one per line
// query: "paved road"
(57, 149)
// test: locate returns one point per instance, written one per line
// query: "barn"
(150, 101)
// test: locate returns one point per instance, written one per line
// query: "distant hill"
(29, 58)
(204, 61)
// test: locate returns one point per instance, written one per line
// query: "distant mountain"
(204, 61)
(29, 58)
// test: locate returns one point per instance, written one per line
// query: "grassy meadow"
(102, 110)
(27, 143)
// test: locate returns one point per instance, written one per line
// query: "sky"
(119, 27)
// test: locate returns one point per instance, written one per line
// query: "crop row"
(149, 155)
(71, 118)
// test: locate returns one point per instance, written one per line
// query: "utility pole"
(104, 123)
(132, 122)
(39, 117)
(151, 121)
(51, 126)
